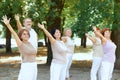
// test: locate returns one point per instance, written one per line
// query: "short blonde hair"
(65, 29)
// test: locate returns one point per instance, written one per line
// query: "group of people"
(63, 49)
(26, 39)
(103, 54)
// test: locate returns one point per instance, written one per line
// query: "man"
(27, 23)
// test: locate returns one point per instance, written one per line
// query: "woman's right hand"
(5, 20)
(17, 18)
(41, 26)
(64, 39)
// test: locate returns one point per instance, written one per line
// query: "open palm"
(5, 20)
(40, 25)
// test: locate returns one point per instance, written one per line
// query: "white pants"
(69, 62)
(28, 71)
(57, 71)
(95, 68)
(106, 70)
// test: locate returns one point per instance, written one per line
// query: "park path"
(11, 71)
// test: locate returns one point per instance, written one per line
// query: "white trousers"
(95, 68)
(69, 62)
(28, 71)
(106, 70)
(57, 71)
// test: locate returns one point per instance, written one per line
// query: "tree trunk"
(53, 21)
(49, 55)
(83, 41)
(116, 38)
(116, 31)
(8, 41)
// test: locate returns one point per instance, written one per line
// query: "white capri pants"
(106, 70)
(95, 69)
(69, 62)
(57, 71)
(28, 71)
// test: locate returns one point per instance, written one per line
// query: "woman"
(108, 59)
(70, 45)
(57, 68)
(28, 69)
(97, 55)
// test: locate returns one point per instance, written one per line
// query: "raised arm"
(91, 38)
(7, 23)
(52, 40)
(99, 34)
(19, 25)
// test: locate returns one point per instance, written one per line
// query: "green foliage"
(116, 23)
(69, 13)
(93, 12)
(9, 8)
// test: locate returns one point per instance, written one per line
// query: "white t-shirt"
(33, 38)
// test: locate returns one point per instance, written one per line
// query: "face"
(57, 34)
(27, 23)
(68, 33)
(107, 33)
(25, 36)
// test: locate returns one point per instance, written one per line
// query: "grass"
(42, 51)
(83, 50)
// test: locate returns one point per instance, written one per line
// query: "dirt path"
(10, 72)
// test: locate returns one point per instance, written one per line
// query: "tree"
(116, 31)
(53, 19)
(90, 13)
(9, 8)
(51, 13)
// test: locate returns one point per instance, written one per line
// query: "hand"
(41, 26)
(17, 17)
(86, 34)
(94, 28)
(5, 20)
(64, 39)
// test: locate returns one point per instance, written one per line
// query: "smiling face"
(57, 34)
(24, 35)
(27, 23)
(68, 32)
